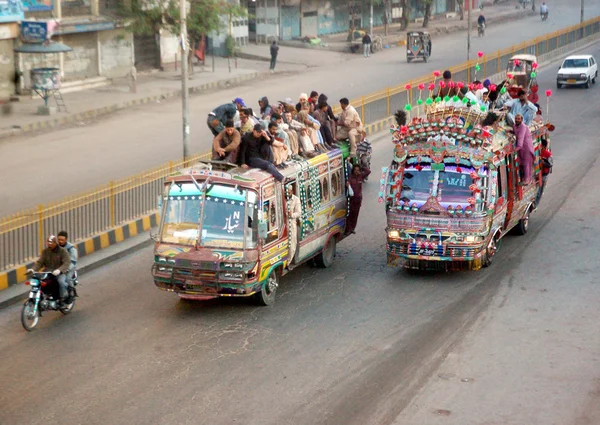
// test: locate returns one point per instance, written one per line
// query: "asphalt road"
(78, 159)
(352, 344)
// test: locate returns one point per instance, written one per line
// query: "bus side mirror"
(263, 229)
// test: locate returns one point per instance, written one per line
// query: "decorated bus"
(453, 188)
(227, 230)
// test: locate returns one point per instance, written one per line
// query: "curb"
(85, 269)
(89, 246)
(94, 113)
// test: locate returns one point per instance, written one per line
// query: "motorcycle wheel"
(30, 316)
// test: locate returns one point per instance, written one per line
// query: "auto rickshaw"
(418, 46)
(521, 67)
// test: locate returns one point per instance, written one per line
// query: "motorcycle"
(481, 30)
(544, 16)
(44, 296)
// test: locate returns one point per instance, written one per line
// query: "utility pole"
(582, 11)
(184, 79)
(470, 5)
(371, 19)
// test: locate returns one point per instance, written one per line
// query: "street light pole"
(582, 11)
(371, 20)
(470, 5)
(184, 79)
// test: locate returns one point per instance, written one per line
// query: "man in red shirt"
(547, 163)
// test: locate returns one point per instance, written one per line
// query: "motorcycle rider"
(55, 259)
(481, 21)
(63, 242)
(544, 10)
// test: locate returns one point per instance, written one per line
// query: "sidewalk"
(154, 86)
(438, 25)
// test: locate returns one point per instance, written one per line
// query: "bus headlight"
(473, 239)
(394, 234)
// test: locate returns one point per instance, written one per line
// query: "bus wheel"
(491, 250)
(267, 295)
(523, 224)
(325, 258)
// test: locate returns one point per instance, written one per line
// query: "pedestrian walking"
(366, 40)
(274, 52)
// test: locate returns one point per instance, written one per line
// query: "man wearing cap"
(255, 151)
(221, 114)
(56, 260)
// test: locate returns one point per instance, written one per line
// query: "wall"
(116, 53)
(169, 49)
(82, 61)
(290, 22)
(267, 23)
(7, 68)
(333, 17)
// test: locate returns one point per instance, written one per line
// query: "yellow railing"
(22, 234)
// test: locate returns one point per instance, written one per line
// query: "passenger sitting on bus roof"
(226, 144)
(280, 150)
(255, 151)
(246, 123)
(217, 118)
(281, 133)
(321, 115)
(524, 148)
(520, 106)
(447, 90)
(349, 126)
(313, 128)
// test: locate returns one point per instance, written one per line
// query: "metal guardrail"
(22, 235)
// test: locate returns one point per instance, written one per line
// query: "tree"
(461, 9)
(405, 15)
(148, 17)
(426, 4)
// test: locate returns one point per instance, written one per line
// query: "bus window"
(270, 211)
(336, 183)
(324, 182)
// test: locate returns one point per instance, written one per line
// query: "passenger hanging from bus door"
(295, 213)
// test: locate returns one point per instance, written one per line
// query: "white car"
(577, 70)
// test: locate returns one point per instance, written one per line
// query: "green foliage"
(203, 17)
(230, 45)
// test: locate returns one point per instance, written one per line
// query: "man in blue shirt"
(221, 114)
(520, 106)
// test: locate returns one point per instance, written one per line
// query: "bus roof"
(456, 131)
(252, 177)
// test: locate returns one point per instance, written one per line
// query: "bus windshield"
(223, 216)
(450, 187)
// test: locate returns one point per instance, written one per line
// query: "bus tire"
(523, 226)
(490, 250)
(325, 258)
(266, 296)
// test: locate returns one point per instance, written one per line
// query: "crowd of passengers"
(272, 135)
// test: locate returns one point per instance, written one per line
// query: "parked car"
(577, 70)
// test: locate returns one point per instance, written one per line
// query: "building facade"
(102, 48)
(293, 19)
